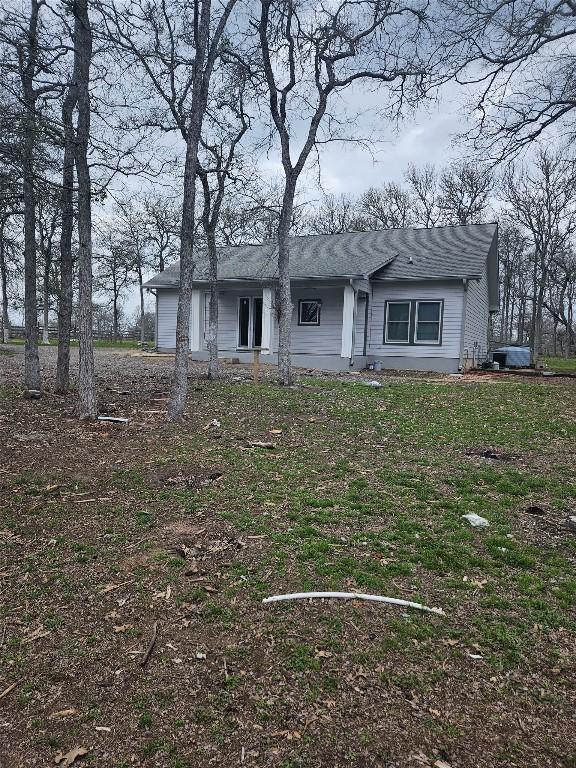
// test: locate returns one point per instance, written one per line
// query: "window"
(413, 321)
(397, 329)
(309, 312)
(428, 321)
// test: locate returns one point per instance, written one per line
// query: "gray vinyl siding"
(360, 323)
(451, 292)
(323, 339)
(477, 315)
(228, 319)
(167, 306)
(326, 339)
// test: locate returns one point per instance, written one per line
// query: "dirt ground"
(134, 559)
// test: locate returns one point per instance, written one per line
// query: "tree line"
(97, 90)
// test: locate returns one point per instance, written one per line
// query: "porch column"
(267, 318)
(195, 320)
(348, 322)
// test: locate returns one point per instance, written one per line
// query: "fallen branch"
(353, 596)
(6, 691)
(261, 444)
(151, 645)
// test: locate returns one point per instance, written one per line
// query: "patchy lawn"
(108, 531)
(561, 364)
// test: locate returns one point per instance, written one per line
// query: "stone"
(476, 521)
(32, 394)
(571, 523)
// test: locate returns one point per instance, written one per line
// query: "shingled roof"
(455, 252)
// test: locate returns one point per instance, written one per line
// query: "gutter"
(463, 325)
(354, 311)
(175, 286)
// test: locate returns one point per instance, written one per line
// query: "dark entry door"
(250, 322)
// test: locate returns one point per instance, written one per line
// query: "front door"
(250, 322)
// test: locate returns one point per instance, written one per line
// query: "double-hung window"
(397, 328)
(428, 322)
(413, 321)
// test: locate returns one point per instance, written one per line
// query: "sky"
(424, 137)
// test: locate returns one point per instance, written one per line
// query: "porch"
(329, 322)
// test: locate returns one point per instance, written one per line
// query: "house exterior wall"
(476, 320)
(441, 357)
(362, 301)
(323, 339)
(320, 346)
(310, 340)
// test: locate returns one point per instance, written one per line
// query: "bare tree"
(387, 207)
(66, 264)
(161, 221)
(542, 201)
(8, 251)
(114, 261)
(337, 214)
(82, 62)
(176, 45)
(560, 300)
(10, 206)
(464, 191)
(226, 124)
(423, 187)
(21, 33)
(47, 224)
(521, 57)
(311, 53)
(130, 239)
(512, 249)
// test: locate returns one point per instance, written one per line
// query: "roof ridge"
(389, 229)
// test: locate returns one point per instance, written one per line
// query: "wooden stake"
(256, 369)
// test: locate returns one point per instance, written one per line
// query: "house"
(411, 298)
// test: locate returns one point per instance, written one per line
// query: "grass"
(561, 364)
(364, 491)
(98, 343)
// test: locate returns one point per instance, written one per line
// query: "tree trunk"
(46, 300)
(4, 287)
(141, 289)
(83, 56)
(285, 315)
(115, 316)
(65, 298)
(212, 340)
(179, 386)
(537, 325)
(31, 360)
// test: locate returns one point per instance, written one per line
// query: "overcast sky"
(425, 137)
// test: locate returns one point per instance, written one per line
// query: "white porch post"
(348, 321)
(267, 317)
(195, 320)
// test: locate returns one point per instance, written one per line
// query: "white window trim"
(429, 342)
(318, 302)
(395, 341)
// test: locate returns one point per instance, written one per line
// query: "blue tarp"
(518, 357)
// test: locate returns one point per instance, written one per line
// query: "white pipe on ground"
(353, 596)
